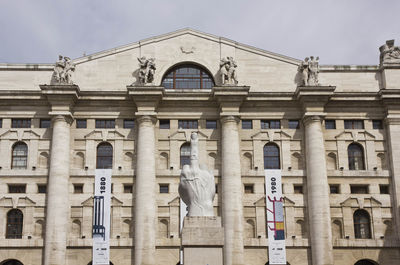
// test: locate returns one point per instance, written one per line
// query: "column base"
(202, 240)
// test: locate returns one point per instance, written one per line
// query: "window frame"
(105, 123)
(15, 186)
(184, 159)
(175, 78)
(246, 123)
(45, 123)
(79, 125)
(164, 124)
(352, 124)
(129, 123)
(17, 225)
(290, 124)
(329, 123)
(270, 124)
(104, 160)
(188, 124)
(210, 124)
(356, 156)
(21, 123)
(360, 225)
(17, 157)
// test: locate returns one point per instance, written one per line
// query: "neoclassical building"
(333, 130)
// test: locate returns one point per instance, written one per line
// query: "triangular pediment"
(271, 135)
(20, 135)
(104, 135)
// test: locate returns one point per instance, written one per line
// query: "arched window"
(11, 262)
(362, 228)
(365, 262)
(188, 76)
(185, 154)
(19, 155)
(104, 155)
(14, 224)
(271, 156)
(356, 157)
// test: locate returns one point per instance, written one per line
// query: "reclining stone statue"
(197, 185)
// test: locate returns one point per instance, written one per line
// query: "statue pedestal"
(202, 240)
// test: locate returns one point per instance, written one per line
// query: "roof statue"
(197, 185)
(228, 71)
(309, 70)
(390, 54)
(62, 71)
(147, 68)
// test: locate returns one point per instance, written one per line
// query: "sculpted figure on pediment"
(147, 69)
(62, 71)
(390, 54)
(309, 70)
(197, 185)
(228, 71)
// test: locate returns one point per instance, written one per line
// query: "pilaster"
(313, 100)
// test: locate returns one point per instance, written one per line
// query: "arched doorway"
(11, 262)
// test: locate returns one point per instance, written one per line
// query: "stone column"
(318, 193)
(232, 207)
(145, 186)
(57, 210)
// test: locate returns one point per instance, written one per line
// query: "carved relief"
(147, 69)
(309, 70)
(228, 71)
(62, 71)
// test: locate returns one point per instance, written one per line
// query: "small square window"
(359, 189)
(377, 125)
(81, 123)
(354, 124)
(211, 124)
(21, 123)
(248, 188)
(42, 188)
(384, 189)
(270, 124)
(45, 123)
(105, 124)
(164, 124)
(129, 124)
(164, 188)
(334, 189)
(294, 124)
(298, 189)
(16, 188)
(187, 124)
(247, 124)
(330, 124)
(128, 188)
(78, 188)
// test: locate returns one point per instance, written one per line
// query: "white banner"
(275, 216)
(101, 217)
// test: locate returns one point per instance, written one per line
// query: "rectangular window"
(354, 124)
(164, 188)
(294, 124)
(384, 189)
(21, 123)
(1, 123)
(298, 189)
(16, 188)
(334, 189)
(216, 188)
(247, 124)
(248, 188)
(377, 125)
(45, 123)
(78, 188)
(129, 124)
(42, 188)
(359, 189)
(187, 124)
(128, 188)
(211, 124)
(81, 123)
(270, 124)
(164, 124)
(105, 124)
(330, 124)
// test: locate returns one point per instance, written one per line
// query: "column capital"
(229, 118)
(146, 119)
(146, 98)
(313, 98)
(61, 98)
(312, 117)
(230, 98)
(62, 117)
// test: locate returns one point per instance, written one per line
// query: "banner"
(275, 217)
(101, 217)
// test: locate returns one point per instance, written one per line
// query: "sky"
(338, 31)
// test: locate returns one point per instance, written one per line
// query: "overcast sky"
(339, 31)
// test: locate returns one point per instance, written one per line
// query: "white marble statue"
(197, 185)
(309, 70)
(228, 71)
(390, 54)
(147, 70)
(62, 71)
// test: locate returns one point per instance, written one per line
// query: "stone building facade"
(336, 140)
